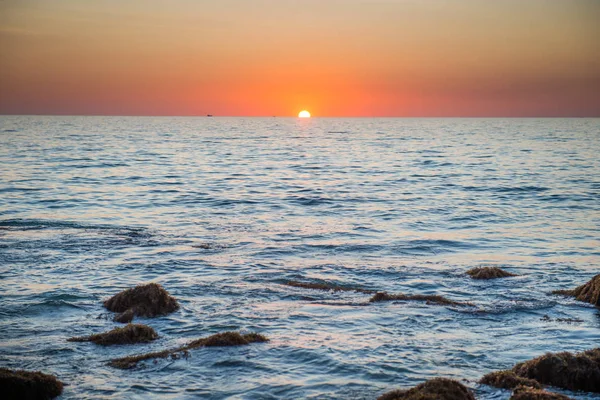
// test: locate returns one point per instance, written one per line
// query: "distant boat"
(209, 115)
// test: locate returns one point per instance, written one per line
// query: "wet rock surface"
(529, 393)
(488, 273)
(434, 389)
(130, 334)
(589, 292)
(148, 300)
(430, 299)
(508, 380)
(218, 340)
(580, 371)
(28, 385)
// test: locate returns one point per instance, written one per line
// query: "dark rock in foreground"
(528, 393)
(326, 287)
(565, 370)
(488, 273)
(434, 389)
(218, 340)
(590, 292)
(148, 300)
(130, 334)
(26, 385)
(430, 299)
(508, 380)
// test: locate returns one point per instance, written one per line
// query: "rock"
(148, 300)
(565, 370)
(434, 389)
(27, 385)
(488, 273)
(130, 334)
(430, 299)
(590, 292)
(125, 317)
(508, 380)
(218, 340)
(528, 393)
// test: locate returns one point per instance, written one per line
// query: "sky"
(354, 58)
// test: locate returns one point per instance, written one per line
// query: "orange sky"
(276, 57)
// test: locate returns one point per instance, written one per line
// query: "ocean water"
(223, 211)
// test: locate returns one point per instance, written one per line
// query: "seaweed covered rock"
(28, 385)
(434, 389)
(590, 292)
(330, 287)
(148, 300)
(565, 370)
(508, 380)
(430, 299)
(130, 334)
(217, 340)
(488, 273)
(233, 339)
(529, 393)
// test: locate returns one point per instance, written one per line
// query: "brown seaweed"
(529, 393)
(589, 292)
(488, 273)
(129, 334)
(580, 371)
(430, 299)
(148, 300)
(434, 389)
(28, 385)
(326, 287)
(218, 340)
(508, 380)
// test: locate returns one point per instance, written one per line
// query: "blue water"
(222, 211)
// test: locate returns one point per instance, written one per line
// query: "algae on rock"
(488, 273)
(28, 385)
(529, 393)
(129, 334)
(434, 389)
(589, 292)
(580, 371)
(508, 380)
(148, 300)
(430, 299)
(217, 340)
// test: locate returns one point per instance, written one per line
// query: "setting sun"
(304, 114)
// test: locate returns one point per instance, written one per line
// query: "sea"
(223, 212)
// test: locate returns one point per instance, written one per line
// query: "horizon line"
(296, 117)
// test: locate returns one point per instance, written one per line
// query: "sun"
(303, 114)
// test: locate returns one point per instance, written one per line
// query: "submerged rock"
(125, 317)
(218, 340)
(144, 301)
(430, 299)
(28, 385)
(326, 287)
(547, 318)
(508, 380)
(488, 273)
(529, 393)
(434, 389)
(565, 370)
(590, 292)
(130, 334)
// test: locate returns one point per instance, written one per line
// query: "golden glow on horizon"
(270, 57)
(303, 114)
